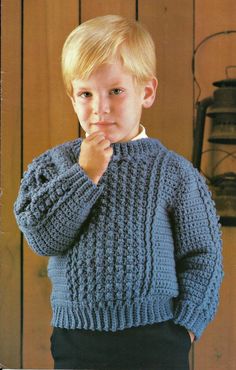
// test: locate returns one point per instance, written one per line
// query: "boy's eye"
(85, 94)
(116, 91)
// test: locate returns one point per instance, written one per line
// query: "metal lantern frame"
(221, 108)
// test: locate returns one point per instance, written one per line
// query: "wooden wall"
(37, 115)
(216, 350)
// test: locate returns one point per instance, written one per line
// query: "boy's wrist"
(94, 179)
(192, 336)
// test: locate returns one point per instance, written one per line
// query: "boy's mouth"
(103, 123)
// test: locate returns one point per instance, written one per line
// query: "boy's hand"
(95, 155)
(192, 336)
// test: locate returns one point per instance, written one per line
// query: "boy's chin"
(112, 137)
(107, 136)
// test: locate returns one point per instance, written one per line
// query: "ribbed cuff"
(191, 317)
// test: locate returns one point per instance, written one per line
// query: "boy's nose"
(101, 106)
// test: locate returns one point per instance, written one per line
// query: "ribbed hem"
(191, 317)
(111, 316)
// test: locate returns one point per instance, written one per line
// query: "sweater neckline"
(137, 147)
(129, 149)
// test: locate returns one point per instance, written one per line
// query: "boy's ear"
(150, 92)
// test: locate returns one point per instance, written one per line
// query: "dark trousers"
(162, 346)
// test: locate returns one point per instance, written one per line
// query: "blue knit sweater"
(140, 247)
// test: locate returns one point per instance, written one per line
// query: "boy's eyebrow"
(84, 87)
(116, 83)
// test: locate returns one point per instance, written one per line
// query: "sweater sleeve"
(52, 205)
(198, 252)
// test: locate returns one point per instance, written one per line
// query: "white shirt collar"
(142, 133)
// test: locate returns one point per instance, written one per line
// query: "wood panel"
(216, 349)
(219, 51)
(10, 251)
(96, 8)
(48, 120)
(171, 26)
(172, 31)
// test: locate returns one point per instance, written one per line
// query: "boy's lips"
(103, 123)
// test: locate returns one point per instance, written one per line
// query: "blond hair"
(103, 40)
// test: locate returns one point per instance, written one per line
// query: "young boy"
(130, 226)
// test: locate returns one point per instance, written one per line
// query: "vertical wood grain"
(216, 349)
(170, 119)
(96, 8)
(171, 26)
(48, 120)
(10, 251)
(219, 51)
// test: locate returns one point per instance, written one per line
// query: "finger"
(109, 150)
(105, 143)
(93, 135)
(98, 139)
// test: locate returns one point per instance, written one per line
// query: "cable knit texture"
(140, 247)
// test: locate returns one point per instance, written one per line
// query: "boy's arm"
(51, 206)
(198, 253)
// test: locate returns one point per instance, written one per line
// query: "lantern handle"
(226, 32)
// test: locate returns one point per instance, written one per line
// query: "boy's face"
(109, 101)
